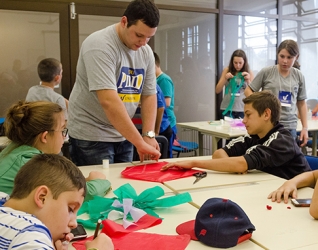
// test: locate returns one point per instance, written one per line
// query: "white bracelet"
(304, 128)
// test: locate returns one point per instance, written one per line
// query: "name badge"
(285, 98)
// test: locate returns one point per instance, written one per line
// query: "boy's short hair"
(143, 10)
(157, 59)
(54, 171)
(263, 100)
(49, 68)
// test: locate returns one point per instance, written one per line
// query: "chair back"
(312, 161)
(164, 145)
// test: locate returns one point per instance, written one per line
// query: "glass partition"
(185, 43)
(26, 38)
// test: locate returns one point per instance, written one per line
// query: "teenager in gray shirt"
(115, 71)
(287, 82)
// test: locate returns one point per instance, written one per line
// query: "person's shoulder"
(297, 72)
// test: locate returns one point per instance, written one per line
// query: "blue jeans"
(94, 152)
(293, 133)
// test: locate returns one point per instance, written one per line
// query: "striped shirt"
(20, 230)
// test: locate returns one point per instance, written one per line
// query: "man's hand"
(149, 150)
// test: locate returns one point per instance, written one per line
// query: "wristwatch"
(150, 134)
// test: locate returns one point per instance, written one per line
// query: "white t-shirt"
(20, 230)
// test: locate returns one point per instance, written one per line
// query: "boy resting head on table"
(48, 192)
(268, 146)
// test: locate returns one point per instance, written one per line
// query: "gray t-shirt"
(269, 78)
(42, 93)
(106, 63)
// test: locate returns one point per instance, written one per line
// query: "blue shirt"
(162, 103)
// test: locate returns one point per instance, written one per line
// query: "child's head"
(238, 62)
(37, 124)
(265, 100)
(288, 50)
(56, 189)
(50, 70)
(157, 59)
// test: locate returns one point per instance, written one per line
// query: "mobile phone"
(79, 232)
(301, 202)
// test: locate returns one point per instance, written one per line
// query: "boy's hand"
(101, 242)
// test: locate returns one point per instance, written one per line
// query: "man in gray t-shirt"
(115, 71)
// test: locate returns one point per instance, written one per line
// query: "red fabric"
(137, 241)
(112, 228)
(136, 120)
(152, 172)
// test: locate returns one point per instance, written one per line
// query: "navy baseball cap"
(219, 223)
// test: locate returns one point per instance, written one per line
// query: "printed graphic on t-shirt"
(129, 84)
(285, 98)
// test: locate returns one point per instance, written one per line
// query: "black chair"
(163, 144)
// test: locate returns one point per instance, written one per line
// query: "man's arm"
(159, 119)
(148, 116)
(248, 91)
(119, 118)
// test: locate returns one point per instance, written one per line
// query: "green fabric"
(12, 158)
(148, 200)
(97, 187)
(233, 88)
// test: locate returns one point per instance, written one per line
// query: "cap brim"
(187, 228)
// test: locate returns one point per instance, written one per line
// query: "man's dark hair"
(143, 10)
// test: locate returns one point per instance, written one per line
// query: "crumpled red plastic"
(127, 239)
(137, 241)
(152, 172)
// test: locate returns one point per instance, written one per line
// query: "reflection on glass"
(257, 6)
(26, 38)
(308, 9)
(255, 35)
(87, 24)
(189, 3)
(185, 43)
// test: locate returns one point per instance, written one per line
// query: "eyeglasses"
(64, 131)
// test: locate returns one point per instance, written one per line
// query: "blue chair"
(312, 161)
(185, 147)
